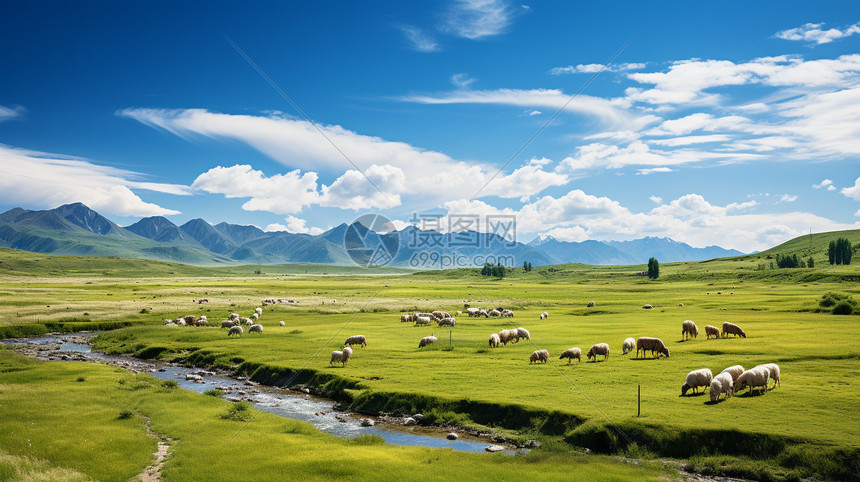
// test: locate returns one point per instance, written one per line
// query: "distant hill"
(75, 229)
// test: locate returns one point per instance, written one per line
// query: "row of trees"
(840, 251)
(792, 261)
(527, 266)
(496, 270)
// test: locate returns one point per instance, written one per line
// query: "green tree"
(653, 268)
(487, 269)
(840, 251)
(530, 265)
(810, 262)
(831, 252)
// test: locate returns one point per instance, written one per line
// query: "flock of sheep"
(732, 380)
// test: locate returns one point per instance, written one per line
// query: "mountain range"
(75, 229)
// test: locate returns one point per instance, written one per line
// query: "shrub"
(214, 393)
(239, 411)
(843, 308)
(126, 414)
(170, 384)
(82, 379)
(368, 439)
(144, 311)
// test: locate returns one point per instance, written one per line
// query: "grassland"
(805, 427)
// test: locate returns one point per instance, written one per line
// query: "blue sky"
(736, 125)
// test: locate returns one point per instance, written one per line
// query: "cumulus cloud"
(639, 153)
(814, 33)
(354, 190)
(827, 183)
(593, 68)
(656, 199)
(787, 198)
(48, 180)
(477, 19)
(854, 191)
(419, 39)
(280, 194)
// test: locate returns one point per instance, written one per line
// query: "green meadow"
(805, 427)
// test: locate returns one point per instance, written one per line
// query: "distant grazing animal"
(255, 316)
(494, 340)
(505, 336)
(655, 345)
(752, 378)
(407, 318)
(590, 304)
(236, 330)
(598, 349)
(473, 312)
(282, 323)
(255, 328)
(722, 383)
(226, 324)
(189, 320)
(689, 329)
(447, 322)
(441, 314)
(732, 329)
(544, 315)
(247, 321)
(202, 321)
(258, 311)
(233, 316)
(507, 314)
(696, 379)
(494, 313)
(711, 330)
(484, 313)
(356, 340)
(646, 307)
(539, 356)
(523, 333)
(773, 372)
(735, 371)
(427, 340)
(570, 354)
(341, 356)
(628, 346)
(423, 320)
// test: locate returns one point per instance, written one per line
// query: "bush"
(82, 379)
(170, 384)
(239, 411)
(214, 393)
(368, 439)
(842, 304)
(126, 414)
(843, 308)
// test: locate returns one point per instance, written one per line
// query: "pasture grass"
(58, 429)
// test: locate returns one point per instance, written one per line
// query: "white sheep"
(505, 336)
(233, 316)
(427, 340)
(523, 333)
(646, 307)
(255, 316)
(341, 356)
(494, 340)
(773, 372)
(570, 354)
(282, 323)
(628, 346)
(721, 383)
(447, 322)
(255, 328)
(696, 379)
(507, 314)
(689, 329)
(236, 330)
(544, 315)
(752, 378)
(539, 356)
(711, 330)
(732, 329)
(656, 346)
(226, 324)
(598, 349)
(494, 313)
(590, 304)
(356, 340)
(258, 311)
(735, 371)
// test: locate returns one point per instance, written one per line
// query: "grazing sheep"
(447, 322)
(735, 371)
(226, 324)
(722, 383)
(656, 346)
(255, 316)
(189, 320)
(544, 315)
(646, 307)
(423, 320)
(689, 329)
(440, 314)
(680, 304)
(255, 328)
(258, 311)
(356, 340)
(233, 316)
(505, 336)
(523, 333)
(484, 313)
(598, 349)
(539, 356)
(696, 379)
(752, 378)
(590, 304)
(494, 313)
(628, 346)
(570, 354)
(494, 340)
(732, 329)
(407, 318)
(711, 330)
(341, 356)
(202, 321)
(473, 312)
(459, 313)
(236, 330)
(507, 314)
(282, 323)
(773, 372)
(427, 340)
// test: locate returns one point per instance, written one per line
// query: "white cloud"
(297, 225)
(645, 172)
(462, 81)
(275, 228)
(788, 198)
(825, 183)
(854, 191)
(573, 234)
(687, 140)
(656, 199)
(280, 194)
(600, 155)
(812, 32)
(477, 19)
(524, 181)
(354, 191)
(535, 112)
(7, 113)
(593, 68)
(419, 39)
(48, 180)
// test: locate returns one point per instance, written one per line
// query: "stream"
(319, 412)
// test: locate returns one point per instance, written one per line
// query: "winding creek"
(319, 412)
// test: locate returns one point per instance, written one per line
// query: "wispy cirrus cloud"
(419, 39)
(7, 113)
(477, 19)
(49, 180)
(593, 68)
(814, 33)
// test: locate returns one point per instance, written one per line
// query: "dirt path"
(153, 472)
